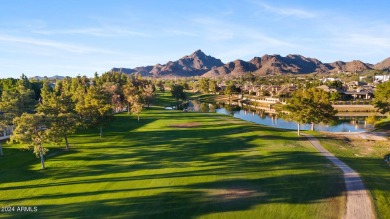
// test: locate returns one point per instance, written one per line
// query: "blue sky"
(79, 37)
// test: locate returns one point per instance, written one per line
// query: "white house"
(323, 80)
(381, 78)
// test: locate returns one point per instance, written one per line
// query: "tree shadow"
(195, 199)
(150, 173)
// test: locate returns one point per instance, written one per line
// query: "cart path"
(359, 203)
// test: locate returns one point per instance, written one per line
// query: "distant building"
(361, 78)
(355, 84)
(276, 90)
(364, 94)
(326, 88)
(329, 79)
(361, 92)
(381, 78)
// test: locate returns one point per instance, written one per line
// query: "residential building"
(381, 78)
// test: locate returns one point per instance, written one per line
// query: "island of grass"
(174, 164)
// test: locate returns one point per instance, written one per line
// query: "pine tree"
(160, 85)
(213, 86)
(61, 109)
(14, 102)
(31, 129)
(229, 90)
(177, 92)
(94, 108)
(204, 85)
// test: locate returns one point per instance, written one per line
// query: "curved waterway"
(344, 124)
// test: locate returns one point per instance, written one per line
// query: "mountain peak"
(198, 53)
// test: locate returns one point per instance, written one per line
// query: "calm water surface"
(352, 125)
(272, 120)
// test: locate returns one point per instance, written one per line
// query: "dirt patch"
(362, 147)
(185, 125)
(369, 136)
(233, 193)
(237, 121)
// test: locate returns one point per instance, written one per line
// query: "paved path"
(359, 203)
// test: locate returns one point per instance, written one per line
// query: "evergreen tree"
(31, 129)
(204, 85)
(160, 85)
(213, 86)
(61, 109)
(7, 84)
(14, 102)
(94, 108)
(230, 89)
(177, 92)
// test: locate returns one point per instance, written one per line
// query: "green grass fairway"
(175, 165)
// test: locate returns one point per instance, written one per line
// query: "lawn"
(208, 98)
(366, 157)
(174, 164)
(383, 125)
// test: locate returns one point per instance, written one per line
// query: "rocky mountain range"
(383, 65)
(195, 64)
(200, 64)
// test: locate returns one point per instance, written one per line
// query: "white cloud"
(286, 12)
(93, 31)
(52, 44)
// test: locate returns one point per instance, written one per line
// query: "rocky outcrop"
(383, 65)
(195, 64)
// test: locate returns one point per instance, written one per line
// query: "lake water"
(272, 120)
(357, 124)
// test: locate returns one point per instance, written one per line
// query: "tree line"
(42, 112)
(54, 111)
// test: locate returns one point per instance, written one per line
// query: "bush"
(372, 119)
